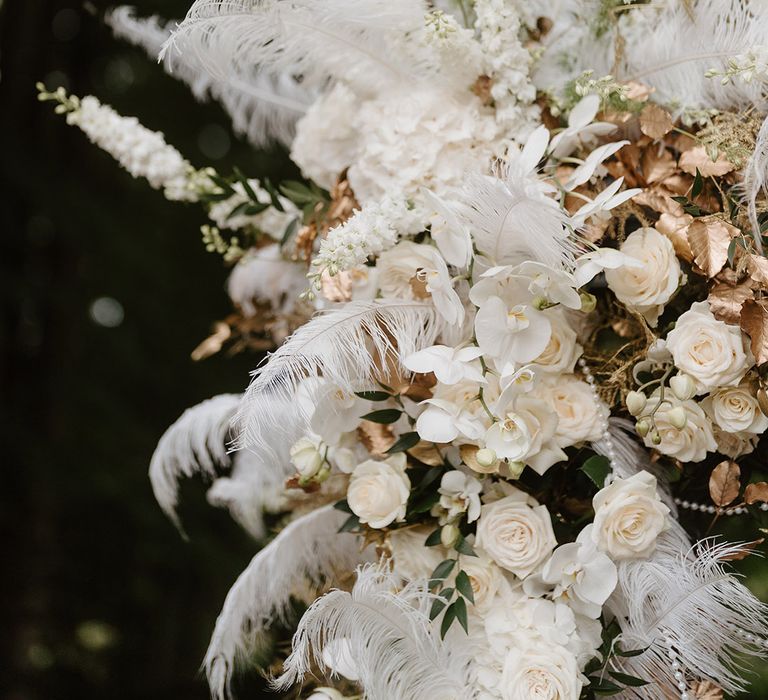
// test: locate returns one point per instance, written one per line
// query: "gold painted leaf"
(427, 453)
(657, 165)
(726, 300)
(756, 493)
(724, 484)
(655, 121)
(757, 266)
(698, 158)
(706, 690)
(744, 551)
(376, 437)
(754, 322)
(676, 229)
(709, 240)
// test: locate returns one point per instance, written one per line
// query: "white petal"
(584, 112)
(427, 360)
(534, 148)
(435, 425)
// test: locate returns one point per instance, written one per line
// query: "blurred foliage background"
(106, 288)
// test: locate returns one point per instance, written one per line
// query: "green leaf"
(430, 476)
(464, 586)
(273, 194)
(443, 569)
(463, 547)
(425, 503)
(626, 679)
(239, 209)
(593, 664)
(448, 618)
(246, 185)
(351, 523)
(437, 607)
(405, 442)
(373, 395)
(290, 231)
(343, 506)
(461, 613)
(223, 184)
(434, 539)
(298, 192)
(597, 468)
(603, 687)
(385, 416)
(629, 653)
(254, 209)
(698, 185)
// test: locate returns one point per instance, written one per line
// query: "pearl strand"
(736, 510)
(750, 638)
(677, 669)
(605, 413)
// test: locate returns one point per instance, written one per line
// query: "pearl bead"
(685, 696)
(683, 686)
(764, 506)
(675, 666)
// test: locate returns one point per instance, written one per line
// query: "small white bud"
(683, 387)
(656, 438)
(515, 469)
(636, 402)
(642, 427)
(486, 457)
(588, 302)
(448, 535)
(676, 416)
(306, 457)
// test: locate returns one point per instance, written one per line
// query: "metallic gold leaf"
(754, 322)
(213, 343)
(756, 493)
(709, 240)
(469, 457)
(655, 121)
(744, 551)
(706, 690)
(427, 453)
(336, 287)
(762, 400)
(658, 164)
(376, 437)
(676, 229)
(724, 484)
(757, 266)
(725, 300)
(698, 158)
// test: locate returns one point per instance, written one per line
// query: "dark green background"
(84, 546)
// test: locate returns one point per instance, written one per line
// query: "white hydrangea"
(370, 231)
(142, 152)
(270, 221)
(507, 63)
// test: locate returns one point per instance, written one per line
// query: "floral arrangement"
(519, 310)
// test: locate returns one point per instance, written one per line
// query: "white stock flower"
(735, 410)
(413, 560)
(526, 433)
(450, 365)
(378, 491)
(647, 288)
(579, 416)
(460, 493)
(562, 350)
(629, 516)
(541, 671)
(708, 350)
(417, 271)
(516, 532)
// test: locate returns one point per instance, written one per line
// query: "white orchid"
(517, 333)
(438, 283)
(593, 263)
(599, 207)
(592, 164)
(450, 365)
(460, 493)
(450, 235)
(443, 421)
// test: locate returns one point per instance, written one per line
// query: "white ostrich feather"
(360, 41)
(255, 484)
(688, 596)
(756, 180)
(264, 107)
(386, 634)
(195, 443)
(673, 47)
(309, 551)
(349, 346)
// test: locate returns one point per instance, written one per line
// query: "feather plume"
(386, 633)
(256, 484)
(360, 41)
(349, 346)
(195, 443)
(265, 107)
(686, 595)
(309, 551)
(756, 180)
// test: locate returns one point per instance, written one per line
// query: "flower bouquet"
(518, 305)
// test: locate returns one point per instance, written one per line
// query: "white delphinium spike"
(361, 41)
(265, 107)
(310, 551)
(387, 636)
(195, 443)
(349, 346)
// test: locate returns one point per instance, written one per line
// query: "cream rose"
(578, 413)
(516, 532)
(629, 516)
(412, 559)
(710, 351)
(689, 443)
(541, 672)
(647, 288)
(562, 351)
(735, 445)
(486, 578)
(735, 410)
(378, 491)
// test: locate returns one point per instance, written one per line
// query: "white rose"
(734, 445)
(486, 579)
(647, 288)
(629, 516)
(562, 351)
(735, 410)
(378, 491)
(412, 559)
(541, 672)
(689, 443)
(578, 412)
(307, 456)
(516, 532)
(710, 351)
